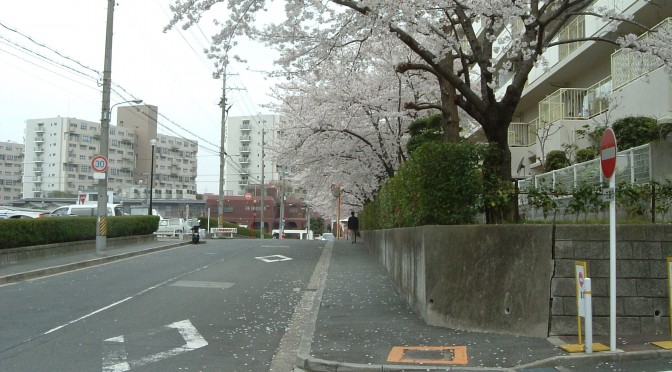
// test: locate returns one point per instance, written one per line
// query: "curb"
(604, 356)
(311, 364)
(13, 278)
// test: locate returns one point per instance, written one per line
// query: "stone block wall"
(642, 304)
(519, 279)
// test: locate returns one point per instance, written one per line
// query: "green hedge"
(440, 185)
(37, 231)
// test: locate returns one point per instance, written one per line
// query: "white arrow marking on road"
(115, 359)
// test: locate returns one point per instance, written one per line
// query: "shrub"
(556, 159)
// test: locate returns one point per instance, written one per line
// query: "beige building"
(59, 152)
(11, 169)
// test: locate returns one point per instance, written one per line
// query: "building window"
(83, 126)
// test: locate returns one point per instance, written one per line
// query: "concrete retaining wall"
(519, 279)
(16, 255)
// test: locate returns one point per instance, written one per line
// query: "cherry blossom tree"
(346, 125)
(465, 44)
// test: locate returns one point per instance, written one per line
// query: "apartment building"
(588, 83)
(245, 138)
(59, 151)
(11, 169)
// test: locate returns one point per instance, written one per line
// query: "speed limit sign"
(99, 163)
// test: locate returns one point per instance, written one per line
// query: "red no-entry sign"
(608, 153)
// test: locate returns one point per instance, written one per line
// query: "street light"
(151, 178)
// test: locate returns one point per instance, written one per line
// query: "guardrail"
(218, 232)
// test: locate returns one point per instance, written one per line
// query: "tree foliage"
(440, 185)
(634, 131)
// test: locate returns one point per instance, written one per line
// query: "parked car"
(19, 213)
(328, 236)
(85, 210)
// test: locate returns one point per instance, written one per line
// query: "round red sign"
(608, 151)
(99, 163)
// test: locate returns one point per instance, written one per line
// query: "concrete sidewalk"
(364, 324)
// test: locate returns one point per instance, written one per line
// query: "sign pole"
(608, 156)
(612, 268)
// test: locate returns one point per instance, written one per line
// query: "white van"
(85, 210)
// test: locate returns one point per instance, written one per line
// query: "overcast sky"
(168, 70)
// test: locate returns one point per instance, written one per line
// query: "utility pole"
(263, 187)
(222, 153)
(101, 221)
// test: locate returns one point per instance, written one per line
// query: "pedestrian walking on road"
(353, 226)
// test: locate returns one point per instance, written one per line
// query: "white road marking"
(116, 358)
(87, 315)
(201, 284)
(274, 258)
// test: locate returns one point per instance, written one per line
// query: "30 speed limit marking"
(99, 163)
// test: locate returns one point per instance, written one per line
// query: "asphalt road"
(220, 306)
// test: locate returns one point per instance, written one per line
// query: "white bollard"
(588, 303)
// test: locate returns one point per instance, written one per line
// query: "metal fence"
(632, 166)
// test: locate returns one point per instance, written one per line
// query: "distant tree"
(317, 225)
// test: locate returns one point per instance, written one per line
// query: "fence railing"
(633, 166)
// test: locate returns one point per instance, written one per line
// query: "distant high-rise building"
(59, 151)
(11, 168)
(244, 146)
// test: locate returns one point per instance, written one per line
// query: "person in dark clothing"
(353, 226)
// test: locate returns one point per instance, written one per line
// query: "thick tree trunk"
(497, 169)
(450, 123)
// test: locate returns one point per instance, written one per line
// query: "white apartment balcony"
(563, 104)
(39, 139)
(245, 127)
(245, 138)
(39, 149)
(244, 160)
(245, 149)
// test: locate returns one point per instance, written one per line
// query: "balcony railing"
(628, 65)
(563, 104)
(575, 103)
(523, 134)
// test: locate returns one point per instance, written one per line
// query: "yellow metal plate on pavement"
(428, 355)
